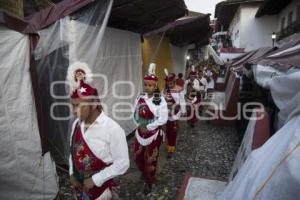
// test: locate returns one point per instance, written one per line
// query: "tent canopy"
(143, 15)
(272, 171)
(137, 15)
(252, 57)
(187, 30)
(285, 58)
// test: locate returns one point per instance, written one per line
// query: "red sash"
(85, 164)
(143, 110)
(145, 115)
(171, 102)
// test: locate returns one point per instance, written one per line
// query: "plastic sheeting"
(245, 148)
(264, 74)
(178, 59)
(272, 171)
(284, 88)
(43, 18)
(120, 60)
(58, 47)
(114, 57)
(25, 174)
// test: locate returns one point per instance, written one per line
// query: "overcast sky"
(203, 6)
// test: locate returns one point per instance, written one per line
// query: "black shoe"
(170, 155)
(147, 188)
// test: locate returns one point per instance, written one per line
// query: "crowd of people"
(99, 150)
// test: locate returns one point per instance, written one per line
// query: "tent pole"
(34, 81)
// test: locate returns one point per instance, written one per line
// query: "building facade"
(249, 32)
(244, 29)
(287, 15)
(288, 24)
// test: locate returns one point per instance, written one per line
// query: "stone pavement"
(204, 150)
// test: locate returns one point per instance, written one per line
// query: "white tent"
(272, 171)
(25, 173)
(114, 57)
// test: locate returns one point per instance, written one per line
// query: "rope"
(274, 170)
(62, 169)
(157, 47)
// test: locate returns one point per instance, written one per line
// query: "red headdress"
(169, 77)
(81, 88)
(151, 77)
(193, 71)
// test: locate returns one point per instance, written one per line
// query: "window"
(298, 13)
(290, 18)
(282, 23)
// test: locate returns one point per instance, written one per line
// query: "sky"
(203, 6)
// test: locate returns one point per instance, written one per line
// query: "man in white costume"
(99, 149)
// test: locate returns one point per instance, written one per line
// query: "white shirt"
(204, 84)
(179, 100)
(196, 85)
(107, 141)
(211, 83)
(160, 111)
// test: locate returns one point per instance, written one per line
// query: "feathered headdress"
(169, 77)
(151, 77)
(166, 72)
(193, 72)
(79, 76)
(78, 67)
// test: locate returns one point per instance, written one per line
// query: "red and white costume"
(100, 152)
(193, 97)
(146, 145)
(176, 107)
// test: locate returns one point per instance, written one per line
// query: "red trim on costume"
(171, 101)
(193, 73)
(145, 113)
(84, 90)
(151, 78)
(146, 156)
(170, 77)
(86, 163)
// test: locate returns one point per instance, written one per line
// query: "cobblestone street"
(202, 151)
